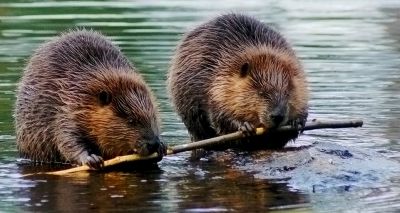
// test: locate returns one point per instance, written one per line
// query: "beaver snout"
(278, 115)
(153, 145)
(277, 118)
(150, 145)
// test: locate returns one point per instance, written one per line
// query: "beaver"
(81, 101)
(235, 72)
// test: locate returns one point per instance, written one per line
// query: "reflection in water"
(350, 50)
(160, 190)
(122, 191)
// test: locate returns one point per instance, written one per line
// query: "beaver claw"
(299, 124)
(247, 129)
(162, 149)
(93, 161)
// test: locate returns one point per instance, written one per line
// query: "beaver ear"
(244, 70)
(104, 98)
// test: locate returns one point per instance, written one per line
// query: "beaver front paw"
(93, 161)
(299, 124)
(162, 149)
(247, 129)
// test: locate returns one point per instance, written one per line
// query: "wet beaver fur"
(235, 72)
(81, 101)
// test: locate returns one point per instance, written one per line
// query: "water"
(350, 50)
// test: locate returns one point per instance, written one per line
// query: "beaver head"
(260, 85)
(121, 114)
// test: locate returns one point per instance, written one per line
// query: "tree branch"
(314, 124)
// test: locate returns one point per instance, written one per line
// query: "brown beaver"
(234, 72)
(80, 100)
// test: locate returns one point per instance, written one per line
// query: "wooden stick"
(314, 124)
(107, 163)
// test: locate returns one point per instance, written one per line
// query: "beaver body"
(233, 72)
(80, 100)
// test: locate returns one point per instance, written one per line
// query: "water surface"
(351, 53)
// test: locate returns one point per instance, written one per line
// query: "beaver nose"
(278, 114)
(277, 118)
(153, 145)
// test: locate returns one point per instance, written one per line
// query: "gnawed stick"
(314, 124)
(107, 163)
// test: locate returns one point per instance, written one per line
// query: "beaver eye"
(244, 70)
(104, 98)
(131, 122)
(134, 123)
(266, 94)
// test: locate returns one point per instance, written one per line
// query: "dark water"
(350, 49)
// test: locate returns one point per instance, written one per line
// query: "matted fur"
(58, 113)
(212, 97)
